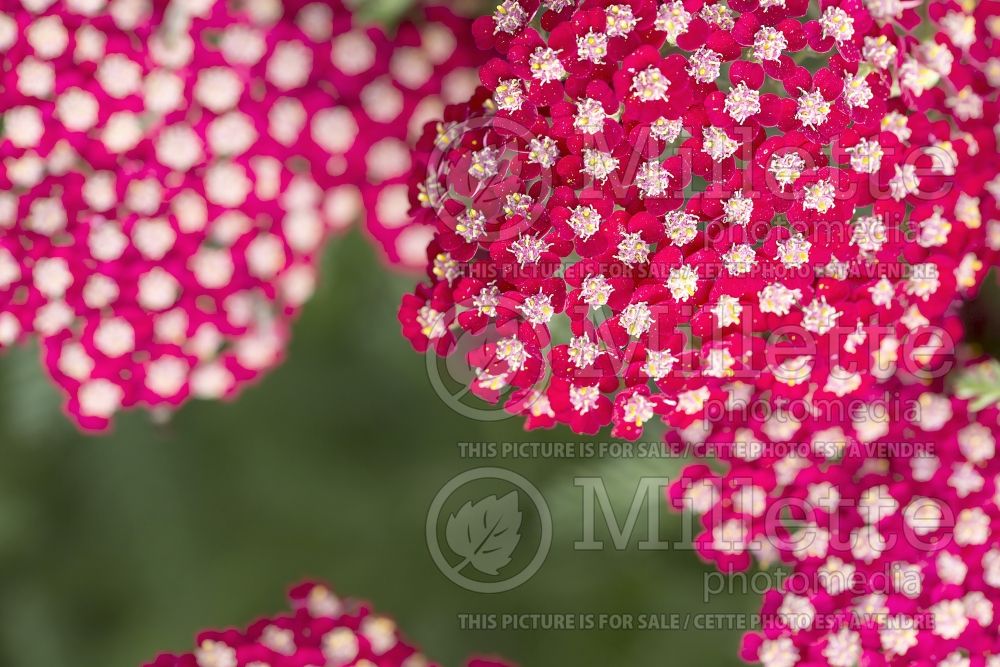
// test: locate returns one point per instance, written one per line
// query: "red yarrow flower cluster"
(650, 201)
(895, 559)
(781, 450)
(771, 484)
(170, 171)
(320, 630)
(885, 511)
(899, 557)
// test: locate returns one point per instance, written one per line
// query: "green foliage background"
(113, 549)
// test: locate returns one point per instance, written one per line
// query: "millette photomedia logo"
(489, 530)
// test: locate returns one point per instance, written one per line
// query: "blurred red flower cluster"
(321, 629)
(170, 171)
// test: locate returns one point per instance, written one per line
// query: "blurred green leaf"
(980, 384)
(387, 12)
(31, 404)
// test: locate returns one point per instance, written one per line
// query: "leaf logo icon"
(485, 533)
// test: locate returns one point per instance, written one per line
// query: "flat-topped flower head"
(172, 209)
(908, 562)
(849, 476)
(318, 628)
(713, 184)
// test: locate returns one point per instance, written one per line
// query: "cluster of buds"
(321, 629)
(649, 202)
(169, 173)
